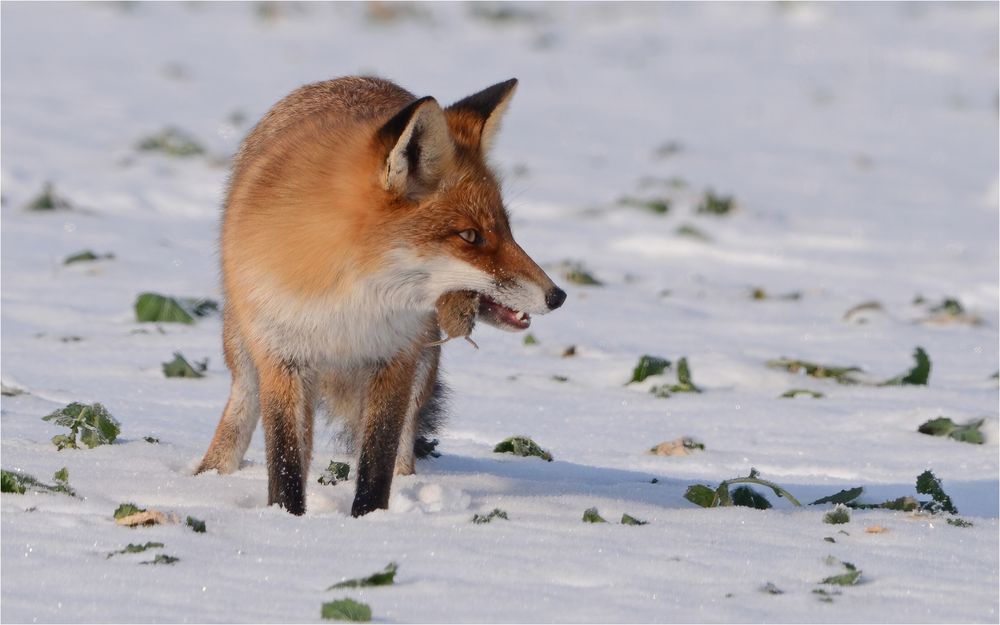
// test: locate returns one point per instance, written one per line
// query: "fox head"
(448, 218)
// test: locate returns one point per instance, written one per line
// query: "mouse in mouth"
(456, 314)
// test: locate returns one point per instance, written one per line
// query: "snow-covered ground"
(860, 143)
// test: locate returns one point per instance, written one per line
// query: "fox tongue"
(495, 313)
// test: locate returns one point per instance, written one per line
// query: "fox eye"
(470, 236)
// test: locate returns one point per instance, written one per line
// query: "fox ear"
(476, 119)
(418, 147)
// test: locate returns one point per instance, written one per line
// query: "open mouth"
(496, 314)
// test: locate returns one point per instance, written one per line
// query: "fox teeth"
(521, 315)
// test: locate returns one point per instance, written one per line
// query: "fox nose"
(555, 298)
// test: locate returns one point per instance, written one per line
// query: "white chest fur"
(373, 319)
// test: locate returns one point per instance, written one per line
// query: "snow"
(860, 142)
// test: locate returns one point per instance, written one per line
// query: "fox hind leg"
(240, 417)
(286, 404)
(423, 411)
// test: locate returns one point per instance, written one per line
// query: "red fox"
(360, 220)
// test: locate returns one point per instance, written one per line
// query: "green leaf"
(127, 509)
(943, 426)
(179, 367)
(152, 440)
(497, 513)
(64, 441)
(659, 206)
(700, 495)
(687, 230)
(684, 382)
(19, 483)
(771, 589)
(712, 204)
(577, 274)
(560, 378)
(196, 524)
(722, 495)
(99, 427)
(747, 497)
(628, 519)
(848, 494)
(850, 578)
(958, 522)
(11, 482)
(795, 392)
(838, 515)
(949, 306)
(684, 373)
(136, 548)
(529, 339)
(61, 479)
(336, 472)
(84, 256)
(590, 515)
(843, 375)
(826, 596)
(382, 578)
(48, 200)
(661, 390)
(647, 366)
(162, 558)
(93, 423)
(171, 142)
(928, 484)
(346, 610)
(522, 446)
(669, 149)
(158, 308)
(66, 416)
(918, 375)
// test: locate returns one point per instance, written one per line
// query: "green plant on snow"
(522, 446)
(92, 423)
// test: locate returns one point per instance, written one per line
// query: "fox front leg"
(387, 401)
(456, 313)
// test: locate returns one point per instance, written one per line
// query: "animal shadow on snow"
(533, 477)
